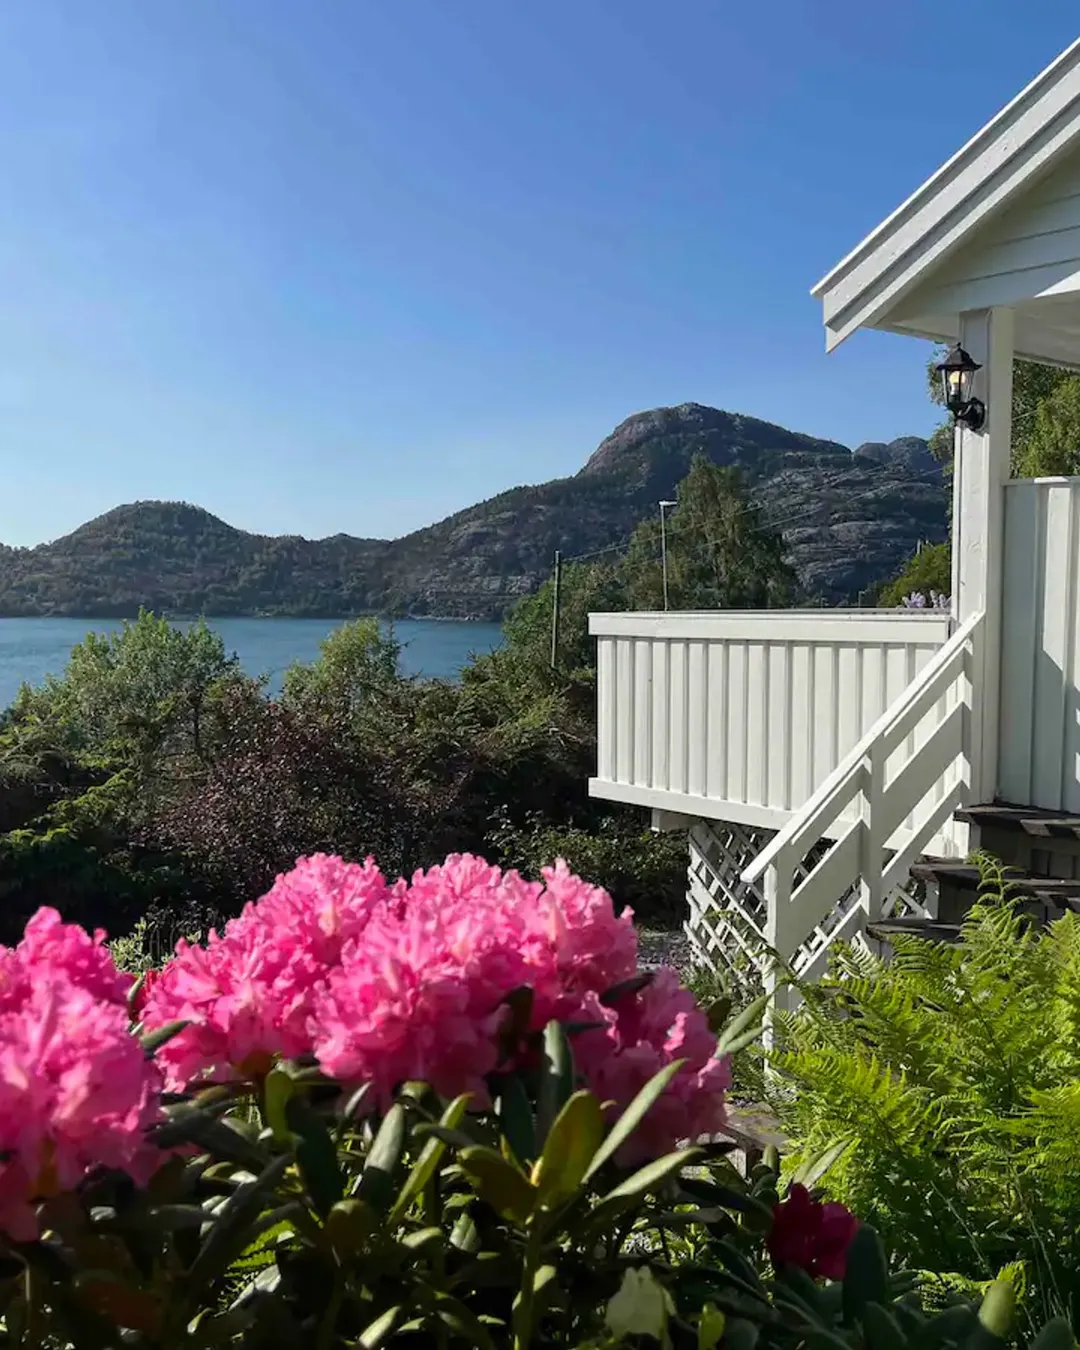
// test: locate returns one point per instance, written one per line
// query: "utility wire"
(847, 476)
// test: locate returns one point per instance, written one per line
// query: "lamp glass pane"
(955, 386)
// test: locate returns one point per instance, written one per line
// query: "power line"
(858, 496)
(847, 476)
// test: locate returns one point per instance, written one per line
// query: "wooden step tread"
(934, 930)
(1033, 820)
(965, 877)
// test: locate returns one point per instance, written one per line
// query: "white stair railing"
(880, 808)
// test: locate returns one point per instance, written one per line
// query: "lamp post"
(664, 506)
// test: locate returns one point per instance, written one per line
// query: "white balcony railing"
(741, 716)
(888, 801)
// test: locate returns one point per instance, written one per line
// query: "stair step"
(1057, 890)
(931, 929)
(1031, 820)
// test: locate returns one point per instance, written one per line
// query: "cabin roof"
(994, 170)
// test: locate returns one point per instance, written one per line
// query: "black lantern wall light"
(957, 373)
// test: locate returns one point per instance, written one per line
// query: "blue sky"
(354, 264)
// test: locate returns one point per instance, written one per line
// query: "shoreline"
(290, 618)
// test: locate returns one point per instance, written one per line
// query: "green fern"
(952, 1073)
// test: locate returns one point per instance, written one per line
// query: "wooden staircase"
(842, 860)
(1040, 850)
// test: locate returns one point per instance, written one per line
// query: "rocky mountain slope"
(849, 519)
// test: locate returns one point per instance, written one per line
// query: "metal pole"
(555, 610)
(663, 549)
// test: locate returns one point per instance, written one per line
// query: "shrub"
(945, 1085)
(636, 865)
(927, 573)
(80, 856)
(284, 1208)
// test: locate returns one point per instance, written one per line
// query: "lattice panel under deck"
(726, 925)
(727, 921)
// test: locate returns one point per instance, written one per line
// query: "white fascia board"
(990, 171)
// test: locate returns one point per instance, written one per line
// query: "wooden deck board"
(1029, 820)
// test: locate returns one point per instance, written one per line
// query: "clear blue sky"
(354, 264)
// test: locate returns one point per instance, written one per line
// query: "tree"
(134, 694)
(584, 588)
(1045, 414)
(928, 571)
(721, 554)
(1050, 444)
(357, 662)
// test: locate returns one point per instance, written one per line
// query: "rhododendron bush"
(383, 983)
(445, 1112)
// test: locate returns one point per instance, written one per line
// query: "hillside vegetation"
(848, 520)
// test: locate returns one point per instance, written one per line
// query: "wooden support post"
(981, 472)
(777, 889)
(872, 845)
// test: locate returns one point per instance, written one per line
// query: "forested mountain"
(849, 519)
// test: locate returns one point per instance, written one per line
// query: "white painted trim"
(982, 470)
(995, 166)
(985, 134)
(1003, 288)
(1054, 479)
(818, 817)
(682, 803)
(670, 822)
(801, 625)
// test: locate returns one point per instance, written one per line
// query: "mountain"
(849, 520)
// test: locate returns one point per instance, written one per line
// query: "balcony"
(740, 716)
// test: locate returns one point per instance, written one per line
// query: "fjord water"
(30, 649)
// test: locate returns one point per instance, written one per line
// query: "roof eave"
(978, 143)
(989, 153)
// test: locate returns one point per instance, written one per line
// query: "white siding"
(741, 716)
(1032, 249)
(1039, 762)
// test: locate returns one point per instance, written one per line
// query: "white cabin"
(814, 756)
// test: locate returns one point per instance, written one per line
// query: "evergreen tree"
(720, 553)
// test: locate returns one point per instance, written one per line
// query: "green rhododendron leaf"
(278, 1090)
(632, 1117)
(316, 1155)
(424, 1167)
(1056, 1335)
(710, 1327)
(573, 1139)
(377, 1181)
(997, 1312)
(556, 1077)
(499, 1183)
(641, 1307)
(349, 1225)
(378, 1332)
(745, 1029)
(152, 1041)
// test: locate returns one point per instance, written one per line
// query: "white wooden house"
(814, 756)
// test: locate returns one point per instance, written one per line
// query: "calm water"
(33, 648)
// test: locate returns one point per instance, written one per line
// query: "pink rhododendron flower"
(401, 1006)
(76, 1090)
(51, 949)
(389, 982)
(418, 994)
(322, 903)
(248, 994)
(660, 1023)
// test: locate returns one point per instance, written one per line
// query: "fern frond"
(954, 1072)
